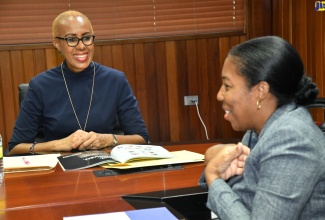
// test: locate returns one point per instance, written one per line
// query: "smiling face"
(78, 58)
(238, 101)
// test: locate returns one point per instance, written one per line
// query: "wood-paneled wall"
(162, 71)
(299, 23)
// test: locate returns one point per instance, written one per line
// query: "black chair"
(320, 104)
(22, 88)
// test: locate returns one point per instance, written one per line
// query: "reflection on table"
(54, 194)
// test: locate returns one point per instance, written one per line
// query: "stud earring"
(258, 105)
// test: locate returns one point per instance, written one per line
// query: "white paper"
(30, 163)
(105, 216)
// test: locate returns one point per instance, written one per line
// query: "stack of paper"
(30, 163)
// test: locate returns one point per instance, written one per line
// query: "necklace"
(91, 97)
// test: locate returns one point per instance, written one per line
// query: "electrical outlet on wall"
(190, 100)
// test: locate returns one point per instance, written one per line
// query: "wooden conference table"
(55, 194)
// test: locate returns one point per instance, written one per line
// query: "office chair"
(320, 104)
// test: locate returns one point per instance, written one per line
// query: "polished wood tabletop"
(55, 194)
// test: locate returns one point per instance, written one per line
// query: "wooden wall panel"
(7, 97)
(203, 86)
(28, 64)
(162, 91)
(105, 57)
(304, 27)
(259, 17)
(173, 96)
(214, 67)
(51, 57)
(3, 130)
(299, 24)
(128, 63)
(17, 75)
(183, 80)
(315, 48)
(153, 110)
(117, 57)
(40, 60)
(194, 75)
(141, 80)
(162, 71)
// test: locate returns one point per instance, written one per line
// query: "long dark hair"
(275, 61)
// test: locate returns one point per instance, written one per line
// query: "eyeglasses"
(74, 41)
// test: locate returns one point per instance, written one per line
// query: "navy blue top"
(47, 104)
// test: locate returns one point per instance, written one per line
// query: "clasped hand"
(83, 140)
(225, 161)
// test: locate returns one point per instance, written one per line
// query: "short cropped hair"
(61, 17)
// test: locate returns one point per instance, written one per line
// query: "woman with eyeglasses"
(77, 102)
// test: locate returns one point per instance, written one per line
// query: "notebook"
(28, 163)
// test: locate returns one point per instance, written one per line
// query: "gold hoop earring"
(258, 105)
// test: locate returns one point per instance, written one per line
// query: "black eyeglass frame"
(79, 39)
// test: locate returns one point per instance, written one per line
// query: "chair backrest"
(320, 104)
(22, 88)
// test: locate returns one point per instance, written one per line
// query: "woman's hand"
(213, 151)
(83, 140)
(228, 161)
(99, 141)
(73, 141)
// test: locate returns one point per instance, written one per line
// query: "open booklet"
(179, 157)
(14, 164)
(120, 154)
(125, 153)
